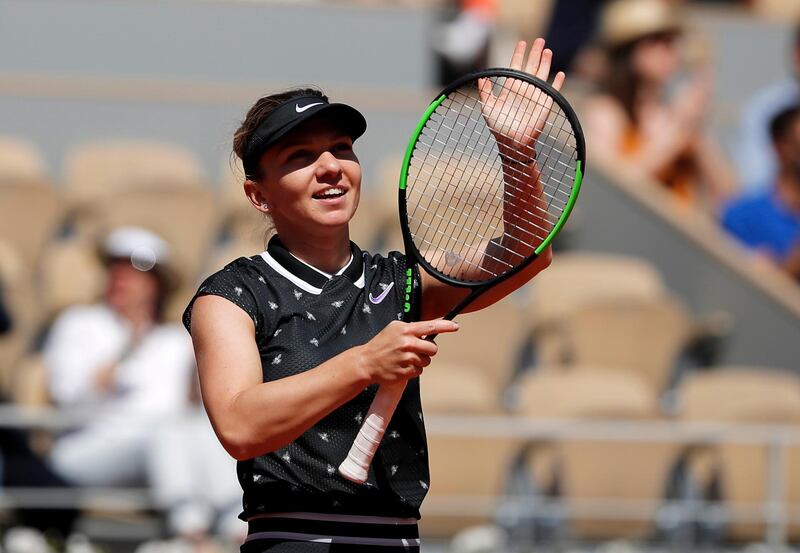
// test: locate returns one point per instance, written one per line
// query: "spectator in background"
(570, 31)
(756, 158)
(120, 359)
(462, 44)
(5, 318)
(768, 221)
(634, 123)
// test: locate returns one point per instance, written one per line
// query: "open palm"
(518, 112)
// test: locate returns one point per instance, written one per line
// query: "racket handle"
(356, 467)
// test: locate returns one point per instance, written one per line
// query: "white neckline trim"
(323, 273)
(299, 282)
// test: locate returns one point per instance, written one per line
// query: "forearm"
(268, 416)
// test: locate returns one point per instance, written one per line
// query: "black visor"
(289, 115)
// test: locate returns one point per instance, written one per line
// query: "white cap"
(625, 21)
(144, 248)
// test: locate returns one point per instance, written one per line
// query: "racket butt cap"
(353, 471)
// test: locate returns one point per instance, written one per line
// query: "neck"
(327, 253)
(788, 190)
(647, 94)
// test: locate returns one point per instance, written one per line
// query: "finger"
(424, 347)
(535, 56)
(544, 65)
(518, 56)
(436, 326)
(424, 360)
(410, 371)
(558, 80)
(485, 90)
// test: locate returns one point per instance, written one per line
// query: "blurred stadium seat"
(30, 215)
(643, 335)
(748, 395)
(491, 340)
(468, 473)
(594, 474)
(70, 274)
(94, 171)
(578, 278)
(21, 301)
(20, 160)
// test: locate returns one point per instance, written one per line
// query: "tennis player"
(292, 343)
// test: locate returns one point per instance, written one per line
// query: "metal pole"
(775, 506)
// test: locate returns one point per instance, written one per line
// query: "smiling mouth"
(330, 193)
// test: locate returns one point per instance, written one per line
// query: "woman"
(633, 123)
(291, 343)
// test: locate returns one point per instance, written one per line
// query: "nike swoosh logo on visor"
(299, 109)
(382, 295)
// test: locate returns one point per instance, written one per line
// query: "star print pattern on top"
(303, 318)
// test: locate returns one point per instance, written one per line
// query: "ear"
(256, 195)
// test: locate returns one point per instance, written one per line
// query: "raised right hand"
(399, 351)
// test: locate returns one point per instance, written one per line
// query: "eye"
(299, 154)
(344, 147)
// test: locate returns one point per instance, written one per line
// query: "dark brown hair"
(260, 110)
(781, 124)
(621, 81)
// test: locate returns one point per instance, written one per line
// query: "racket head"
(452, 181)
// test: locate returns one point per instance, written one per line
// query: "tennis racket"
(490, 175)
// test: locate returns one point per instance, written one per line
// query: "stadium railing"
(775, 513)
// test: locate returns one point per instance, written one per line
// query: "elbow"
(243, 444)
(237, 447)
(237, 442)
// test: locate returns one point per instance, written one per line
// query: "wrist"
(361, 366)
(519, 160)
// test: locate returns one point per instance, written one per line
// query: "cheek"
(353, 171)
(289, 188)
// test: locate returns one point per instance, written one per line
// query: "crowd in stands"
(96, 332)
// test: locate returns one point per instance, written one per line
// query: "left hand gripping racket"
(490, 175)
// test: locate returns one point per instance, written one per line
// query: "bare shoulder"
(216, 314)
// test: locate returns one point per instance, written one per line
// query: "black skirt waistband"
(335, 529)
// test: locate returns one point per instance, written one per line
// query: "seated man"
(135, 374)
(769, 221)
(119, 359)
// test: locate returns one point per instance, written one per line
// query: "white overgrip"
(356, 466)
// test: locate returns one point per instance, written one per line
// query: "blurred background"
(642, 394)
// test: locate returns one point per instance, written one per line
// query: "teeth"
(332, 192)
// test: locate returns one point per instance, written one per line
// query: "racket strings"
(464, 228)
(487, 217)
(530, 150)
(484, 144)
(459, 195)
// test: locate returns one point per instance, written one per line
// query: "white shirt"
(152, 379)
(755, 158)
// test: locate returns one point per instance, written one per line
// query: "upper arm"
(228, 360)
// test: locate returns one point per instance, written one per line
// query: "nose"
(328, 165)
